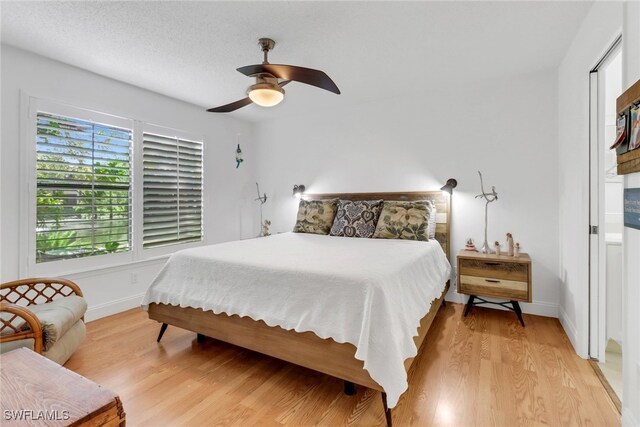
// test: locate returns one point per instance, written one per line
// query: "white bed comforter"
(371, 293)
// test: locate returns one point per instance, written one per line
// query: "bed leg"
(444, 302)
(200, 338)
(349, 388)
(387, 411)
(163, 328)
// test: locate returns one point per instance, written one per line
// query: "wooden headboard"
(441, 199)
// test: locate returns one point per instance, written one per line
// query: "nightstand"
(497, 276)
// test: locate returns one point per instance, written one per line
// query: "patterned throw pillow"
(315, 216)
(403, 220)
(356, 218)
(432, 220)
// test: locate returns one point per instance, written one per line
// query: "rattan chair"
(20, 303)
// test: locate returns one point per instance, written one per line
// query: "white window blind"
(172, 181)
(83, 188)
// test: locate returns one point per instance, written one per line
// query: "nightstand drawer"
(507, 270)
(494, 287)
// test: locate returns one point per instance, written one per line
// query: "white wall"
(631, 242)
(614, 312)
(228, 203)
(505, 128)
(598, 31)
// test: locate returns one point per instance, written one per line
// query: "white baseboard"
(570, 329)
(538, 308)
(453, 296)
(628, 420)
(113, 307)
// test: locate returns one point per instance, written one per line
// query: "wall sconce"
(449, 186)
(298, 190)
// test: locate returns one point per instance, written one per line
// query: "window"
(83, 180)
(100, 190)
(172, 195)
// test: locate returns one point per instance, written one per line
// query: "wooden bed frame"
(307, 349)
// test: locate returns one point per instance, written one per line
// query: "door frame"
(597, 243)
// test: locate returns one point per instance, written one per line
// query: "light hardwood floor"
(483, 370)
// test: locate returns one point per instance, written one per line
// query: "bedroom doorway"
(606, 224)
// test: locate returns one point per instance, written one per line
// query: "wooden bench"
(37, 392)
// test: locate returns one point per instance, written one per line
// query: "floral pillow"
(315, 216)
(403, 220)
(356, 218)
(431, 227)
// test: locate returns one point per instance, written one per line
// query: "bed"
(355, 309)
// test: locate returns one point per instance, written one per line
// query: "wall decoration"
(632, 208)
(262, 199)
(634, 133)
(621, 132)
(239, 158)
(489, 197)
(627, 153)
(265, 228)
(510, 246)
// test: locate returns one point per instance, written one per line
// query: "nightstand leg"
(469, 305)
(516, 308)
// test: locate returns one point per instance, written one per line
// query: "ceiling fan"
(270, 78)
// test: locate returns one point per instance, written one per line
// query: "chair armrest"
(7, 323)
(37, 290)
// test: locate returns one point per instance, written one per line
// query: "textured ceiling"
(372, 50)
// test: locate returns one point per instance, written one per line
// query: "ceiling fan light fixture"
(266, 94)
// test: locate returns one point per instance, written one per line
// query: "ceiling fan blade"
(231, 107)
(308, 76)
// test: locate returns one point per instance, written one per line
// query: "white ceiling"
(372, 50)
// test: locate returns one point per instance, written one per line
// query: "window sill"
(110, 268)
(101, 264)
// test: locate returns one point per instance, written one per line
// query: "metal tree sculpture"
(262, 199)
(489, 197)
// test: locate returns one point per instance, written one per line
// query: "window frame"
(27, 187)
